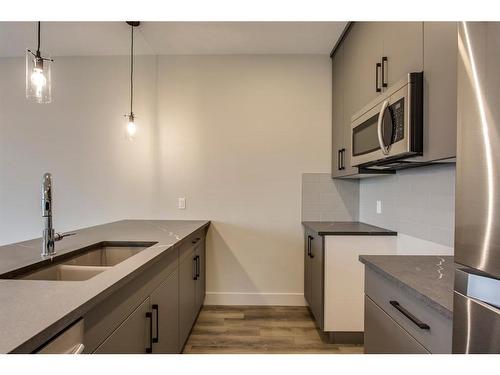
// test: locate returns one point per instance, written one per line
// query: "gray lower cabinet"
(187, 295)
(165, 309)
(132, 336)
(384, 336)
(393, 316)
(313, 275)
(201, 275)
(154, 312)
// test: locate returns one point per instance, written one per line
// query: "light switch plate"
(379, 207)
(181, 203)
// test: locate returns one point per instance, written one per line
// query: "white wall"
(236, 133)
(99, 176)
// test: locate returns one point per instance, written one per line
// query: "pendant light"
(131, 125)
(38, 85)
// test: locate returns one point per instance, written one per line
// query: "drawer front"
(436, 339)
(384, 336)
(188, 244)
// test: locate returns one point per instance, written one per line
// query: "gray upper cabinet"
(375, 55)
(165, 309)
(403, 48)
(132, 336)
(440, 91)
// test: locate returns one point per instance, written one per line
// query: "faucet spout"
(49, 235)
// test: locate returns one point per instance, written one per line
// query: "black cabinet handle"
(384, 70)
(195, 240)
(339, 157)
(149, 316)
(409, 315)
(343, 158)
(195, 268)
(309, 238)
(157, 337)
(377, 69)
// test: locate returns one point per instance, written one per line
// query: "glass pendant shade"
(38, 80)
(131, 126)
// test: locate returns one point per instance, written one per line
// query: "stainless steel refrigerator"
(476, 305)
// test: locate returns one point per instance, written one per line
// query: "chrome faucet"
(49, 235)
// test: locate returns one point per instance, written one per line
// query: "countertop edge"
(379, 232)
(426, 299)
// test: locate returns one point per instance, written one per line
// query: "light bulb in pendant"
(39, 81)
(131, 126)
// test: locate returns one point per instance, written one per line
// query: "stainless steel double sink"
(83, 264)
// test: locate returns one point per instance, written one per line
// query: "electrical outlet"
(181, 203)
(379, 207)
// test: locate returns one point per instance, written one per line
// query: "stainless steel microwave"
(391, 127)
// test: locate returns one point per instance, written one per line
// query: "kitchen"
(248, 187)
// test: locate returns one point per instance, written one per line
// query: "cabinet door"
(307, 270)
(132, 336)
(201, 279)
(338, 124)
(165, 309)
(317, 279)
(362, 50)
(404, 49)
(187, 296)
(384, 336)
(440, 90)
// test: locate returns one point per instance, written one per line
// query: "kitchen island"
(34, 311)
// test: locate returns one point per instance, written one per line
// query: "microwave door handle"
(383, 147)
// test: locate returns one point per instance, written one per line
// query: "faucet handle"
(59, 236)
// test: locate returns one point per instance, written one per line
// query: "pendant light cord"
(131, 68)
(38, 47)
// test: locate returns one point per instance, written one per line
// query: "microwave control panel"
(398, 120)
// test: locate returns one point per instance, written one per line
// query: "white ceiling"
(171, 38)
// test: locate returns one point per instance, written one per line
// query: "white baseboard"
(262, 299)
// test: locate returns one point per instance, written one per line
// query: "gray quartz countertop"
(32, 311)
(346, 228)
(428, 278)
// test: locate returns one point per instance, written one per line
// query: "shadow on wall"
(221, 259)
(241, 259)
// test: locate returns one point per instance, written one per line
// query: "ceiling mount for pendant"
(133, 23)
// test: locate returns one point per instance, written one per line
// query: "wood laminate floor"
(259, 329)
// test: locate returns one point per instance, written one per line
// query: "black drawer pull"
(195, 240)
(309, 239)
(156, 308)
(409, 315)
(149, 316)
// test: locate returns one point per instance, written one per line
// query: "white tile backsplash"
(325, 199)
(418, 202)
